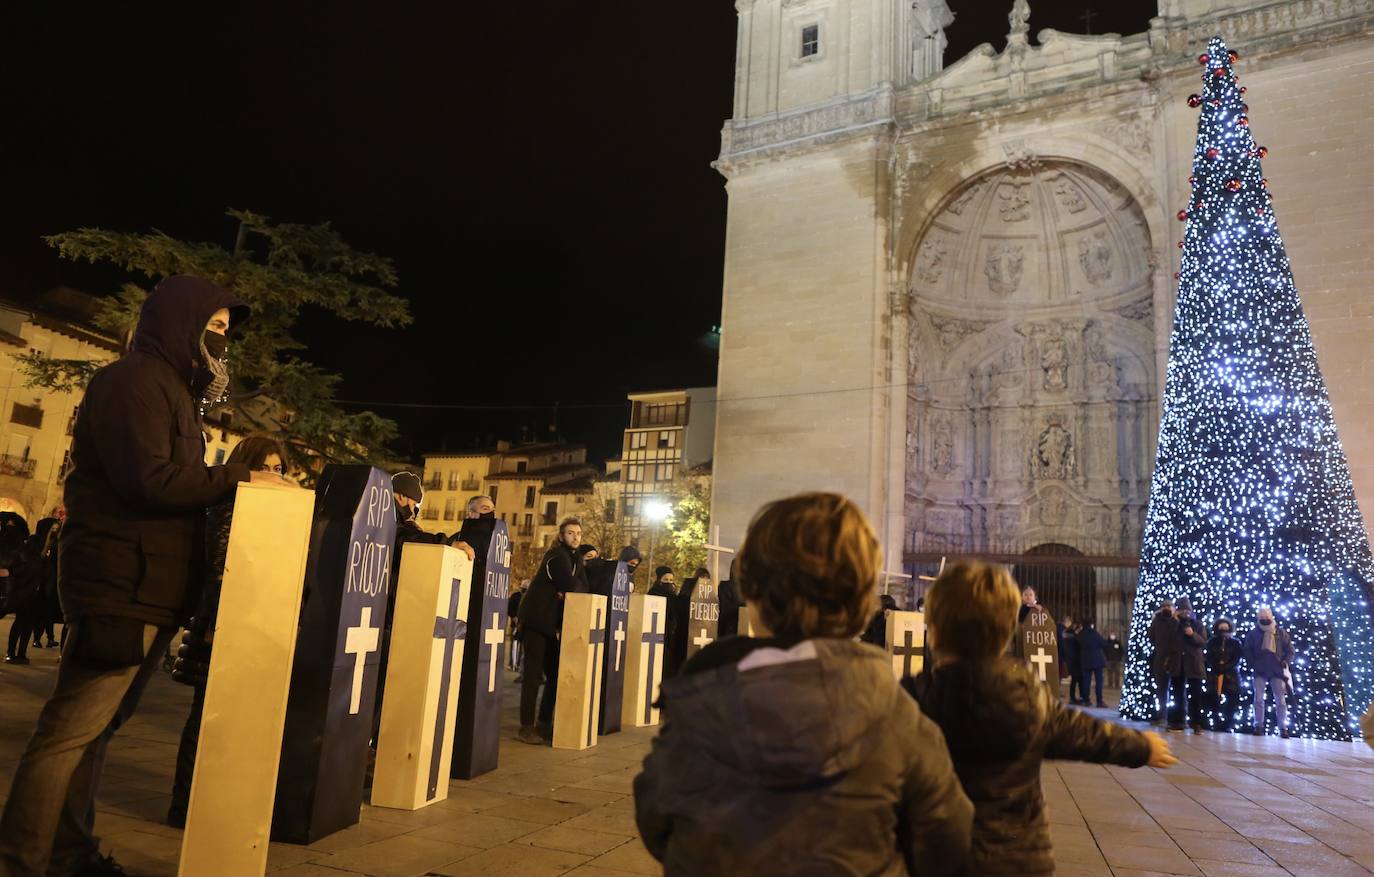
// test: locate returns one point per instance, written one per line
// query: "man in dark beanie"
(665, 586)
(131, 557)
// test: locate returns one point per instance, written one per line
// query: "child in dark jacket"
(1000, 722)
(1223, 676)
(794, 752)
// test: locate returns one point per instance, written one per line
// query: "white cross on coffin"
(701, 640)
(619, 637)
(360, 642)
(1042, 659)
(493, 637)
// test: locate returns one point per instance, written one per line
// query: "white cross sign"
(715, 549)
(619, 637)
(494, 636)
(360, 642)
(1042, 659)
(701, 640)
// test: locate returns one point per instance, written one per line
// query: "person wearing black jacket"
(541, 613)
(601, 571)
(130, 558)
(1186, 668)
(1162, 627)
(876, 632)
(679, 623)
(1223, 676)
(730, 604)
(1092, 658)
(23, 588)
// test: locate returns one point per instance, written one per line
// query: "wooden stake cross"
(714, 550)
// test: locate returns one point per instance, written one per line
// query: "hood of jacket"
(629, 553)
(173, 320)
(785, 717)
(989, 710)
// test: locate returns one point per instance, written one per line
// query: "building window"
(27, 415)
(634, 473)
(610, 511)
(219, 456)
(491, 492)
(453, 481)
(638, 440)
(529, 497)
(667, 439)
(664, 473)
(435, 481)
(529, 524)
(811, 40)
(71, 421)
(471, 483)
(450, 509)
(629, 508)
(550, 514)
(522, 465)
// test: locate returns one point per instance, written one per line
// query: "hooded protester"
(1186, 667)
(1161, 639)
(541, 617)
(23, 584)
(730, 604)
(834, 770)
(679, 623)
(1223, 675)
(601, 571)
(876, 632)
(131, 554)
(1268, 650)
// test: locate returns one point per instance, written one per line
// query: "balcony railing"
(525, 530)
(13, 465)
(548, 520)
(472, 484)
(435, 483)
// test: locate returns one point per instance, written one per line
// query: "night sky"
(538, 171)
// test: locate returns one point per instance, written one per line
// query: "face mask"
(1226, 633)
(487, 516)
(1266, 621)
(404, 513)
(215, 344)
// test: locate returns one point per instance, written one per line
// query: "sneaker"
(545, 731)
(102, 866)
(529, 735)
(16, 659)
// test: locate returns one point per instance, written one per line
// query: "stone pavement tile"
(540, 810)
(479, 830)
(107, 824)
(1078, 854)
(1239, 869)
(1135, 872)
(115, 794)
(1149, 859)
(144, 854)
(630, 857)
(598, 871)
(314, 869)
(595, 797)
(414, 819)
(574, 840)
(1309, 860)
(608, 819)
(362, 834)
(472, 799)
(621, 781)
(284, 855)
(1081, 869)
(149, 809)
(1221, 848)
(401, 856)
(516, 860)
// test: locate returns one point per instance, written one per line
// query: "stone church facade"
(949, 296)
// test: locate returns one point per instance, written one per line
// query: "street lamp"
(657, 511)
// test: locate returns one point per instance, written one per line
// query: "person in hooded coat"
(1162, 627)
(1186, 667)
(23, 587)
(1001, 722)
(795, 752)
(131, 552)
(876, 632)
(665, 586)
(730, 604)
(680, 622)
(1223, 676)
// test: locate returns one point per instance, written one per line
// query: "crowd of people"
(791, 750)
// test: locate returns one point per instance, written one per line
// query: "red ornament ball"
(1177, 275)
(1180, 245)
(1265, 182)
(1219, 72)
(1259, 210)
(1195, 100)
(1243, 89)
(1192, 180)
(1245, 108)
(1233, 55)
(1234, 185)
(1182, 215)
(1216, 101)
(1213, 152)
(1243, 121)
(1204, 58)
(1262, 152)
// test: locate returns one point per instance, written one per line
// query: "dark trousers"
(1077, 691)
(25, 625)
(1088, 677)
(186, 755)
(1162, 694)
(1186, 692)
(1223, 699)
(540, 652)
(50, 814)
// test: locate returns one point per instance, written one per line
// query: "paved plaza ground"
(1236, 807)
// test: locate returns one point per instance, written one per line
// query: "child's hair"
(810, 564)
(973, 607)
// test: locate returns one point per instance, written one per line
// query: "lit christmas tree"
(1251, 502)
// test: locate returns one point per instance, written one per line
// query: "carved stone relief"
(1054, 508)
(952, 330)
(1095, 255)
(1015, 198)
(1054, 363)
(942, 446)
(959, 204)
(1069, 195)
(1005, 265)
(1053, 458)
(930, 261)
(1138, 310)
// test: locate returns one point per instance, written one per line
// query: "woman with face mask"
(1268, 650)
(1223, 676)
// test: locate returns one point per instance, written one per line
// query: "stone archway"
(1063, 589)
(1031, 364)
